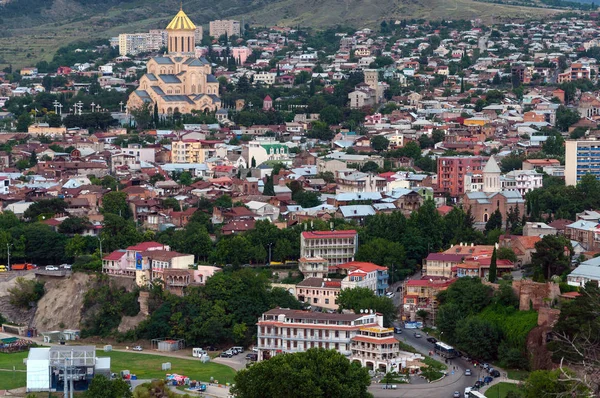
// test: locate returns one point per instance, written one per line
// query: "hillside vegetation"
(32, 30)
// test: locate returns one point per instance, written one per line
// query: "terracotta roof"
(114, 256)
(445, 257)
(329, 234)
(145, 246)
(363, 266)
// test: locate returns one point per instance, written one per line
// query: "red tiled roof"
(328, 234)
(114, 256)
(445, 257)
(362, 266)
(145, 246)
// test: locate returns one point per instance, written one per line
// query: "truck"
(22, 267)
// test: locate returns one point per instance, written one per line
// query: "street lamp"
(92, 105)
(8, 245)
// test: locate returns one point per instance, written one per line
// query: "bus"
(475, 394)
(444, 350)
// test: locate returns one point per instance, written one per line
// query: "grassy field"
(10, 379)
(500, 390)
(516, 374)
(145, 366)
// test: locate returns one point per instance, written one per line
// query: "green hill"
(32, 30)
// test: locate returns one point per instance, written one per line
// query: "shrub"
(25, 292)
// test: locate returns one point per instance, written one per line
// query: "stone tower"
(181, 35)
(371, 78)
(491, 176)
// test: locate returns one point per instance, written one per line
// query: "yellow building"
(187, 151)
(178, 81)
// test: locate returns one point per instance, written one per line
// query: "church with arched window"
(178, 81)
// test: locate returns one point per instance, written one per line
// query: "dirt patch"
(60, 308)
(130, 322)
(10, 312)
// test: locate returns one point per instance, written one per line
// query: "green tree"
(493, 267)
(46, 208)
(566, 117)
(506, 253)
(102, 387)
(307, 199)
(360, 298)
(23, 122)
(185, 178)
(379, 143)
(494, 222)
(370, 167)
(25, 292)
(388, 254)
(75, 246)
(142, 116)
(269, 189)
(478, 337)
(552, 255)
(314, 373)
(73, 225)
(331, 114)
(116, 203)
(554, 383)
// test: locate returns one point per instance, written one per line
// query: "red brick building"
(452, 170)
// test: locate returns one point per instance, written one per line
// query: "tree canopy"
(314, 373)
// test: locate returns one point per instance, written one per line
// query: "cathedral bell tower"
(181, 38)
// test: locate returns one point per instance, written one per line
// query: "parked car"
(202, 387)
(478, 384)
(468, 372)
(239, 349)
(137, 348)
(226, 354)
(488, 379)
(495, 373)
(51, 268)
(67, 266)
(390, 294)
(456, 394)
(432, 340)
(389, 386)
(486, 365)
(252, 357)
(397, 330)
(418, 335)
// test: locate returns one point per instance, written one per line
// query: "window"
(326, 301)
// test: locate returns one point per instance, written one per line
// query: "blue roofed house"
(587, 271)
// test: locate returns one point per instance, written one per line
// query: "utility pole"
(8, 245)
(270, 244)
(65, 382)
(100, 240)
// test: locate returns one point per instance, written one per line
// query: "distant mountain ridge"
(32, 30)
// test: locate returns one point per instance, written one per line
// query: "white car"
(51, 268)
(137, 348)
(390, 294)
(66, 266)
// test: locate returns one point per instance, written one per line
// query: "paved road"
(418, 389)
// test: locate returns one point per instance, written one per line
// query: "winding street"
(418, 387)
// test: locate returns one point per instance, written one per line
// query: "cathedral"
(178, 81)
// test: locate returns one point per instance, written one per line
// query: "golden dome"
(181, 22)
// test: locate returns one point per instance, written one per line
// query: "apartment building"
(222, 27)
(187, 151)
(421, 294)
(319, 292)
(452, 170)
(365, 275)
(521, 181)
(441, 264)
(375, 347)
(313, 267)
(337, 247)
(581, 158)
(266, 78)
(126, 263)
(577, 71)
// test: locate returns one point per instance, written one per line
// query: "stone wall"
(535, 295)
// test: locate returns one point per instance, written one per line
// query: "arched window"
(193, 89)
(485, 217)
(498, 203)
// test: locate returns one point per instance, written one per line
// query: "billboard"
(138, 261)
(413, 325)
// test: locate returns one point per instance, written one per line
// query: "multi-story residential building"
(421, 294)
(521, 181)
(313, 267)
(187, 151)
(259, 151)
(115, 264)
(441, 264)
(375, 347)
(267, 78)
(452, 170)
(581, 158)
(361, 337)
(356, 181)
(222, 27)
(337, 247)
(587, 233)
(577, 71)
(319, 292)
(367, 275)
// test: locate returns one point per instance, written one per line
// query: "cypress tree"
(493, 268)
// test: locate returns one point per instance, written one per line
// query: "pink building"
(240, 54)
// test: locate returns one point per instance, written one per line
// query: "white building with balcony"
(522, 181)
(337, 247)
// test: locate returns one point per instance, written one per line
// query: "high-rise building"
(581, 158)
(222, 27)
(453, 169)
